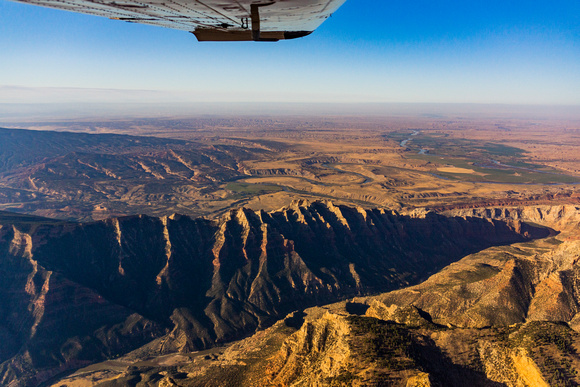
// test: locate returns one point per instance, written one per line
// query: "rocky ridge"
(503, 316)
(79, 293)
(564, 218)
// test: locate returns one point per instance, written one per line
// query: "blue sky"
(514, 52)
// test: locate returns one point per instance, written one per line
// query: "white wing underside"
(212, 19)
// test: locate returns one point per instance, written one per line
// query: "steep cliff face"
(82, 292)
(502, 316)
(50, 323)
(249, 268)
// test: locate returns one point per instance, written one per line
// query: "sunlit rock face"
(78, 293)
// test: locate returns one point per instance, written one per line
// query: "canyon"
(77, 293)
(506, 315)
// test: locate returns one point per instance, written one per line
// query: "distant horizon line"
(67, 95)
(318, 103)
(38, 111)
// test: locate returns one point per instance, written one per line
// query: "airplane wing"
(213, 20)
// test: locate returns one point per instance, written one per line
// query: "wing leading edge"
(213, 20)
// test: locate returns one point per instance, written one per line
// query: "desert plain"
(206, 165)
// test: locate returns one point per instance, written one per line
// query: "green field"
(497, 175)
(480, 157)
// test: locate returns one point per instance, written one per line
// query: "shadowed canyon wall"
(79, 293)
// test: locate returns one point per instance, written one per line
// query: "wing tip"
(296, 34)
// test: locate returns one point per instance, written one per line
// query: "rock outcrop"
(503, 285)
(331, 347)
(496, 287)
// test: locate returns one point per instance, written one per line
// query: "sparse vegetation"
(479, 273)
(545, 333)
(389, 344)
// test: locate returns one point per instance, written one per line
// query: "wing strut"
(255, 14)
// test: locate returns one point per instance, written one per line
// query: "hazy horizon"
(54, 111)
